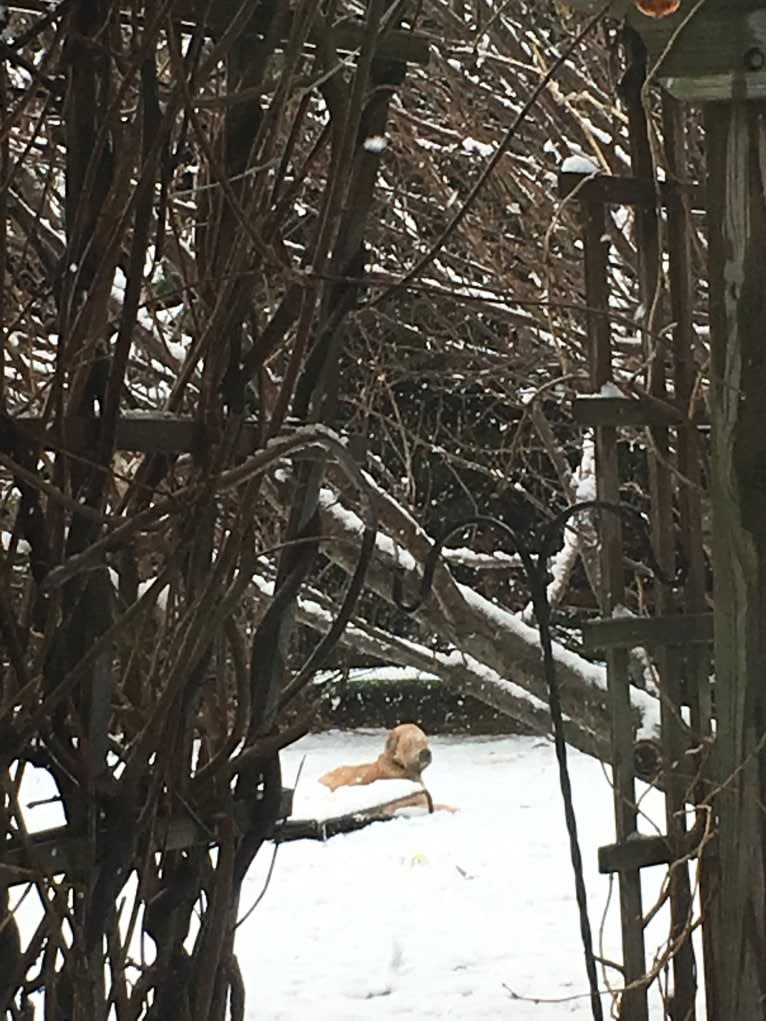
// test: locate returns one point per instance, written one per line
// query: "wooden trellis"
(680, 631)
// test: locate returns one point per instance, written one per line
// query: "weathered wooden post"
(715, 54)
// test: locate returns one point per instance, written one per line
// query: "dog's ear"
(392, 745)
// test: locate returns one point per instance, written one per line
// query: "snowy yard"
(465, 915)
(469, 915)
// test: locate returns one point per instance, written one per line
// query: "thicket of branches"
(243, 214)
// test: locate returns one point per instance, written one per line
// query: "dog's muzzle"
(424, 757)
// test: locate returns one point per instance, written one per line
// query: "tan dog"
(405, 757)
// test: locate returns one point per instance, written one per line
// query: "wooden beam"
(611, 593)
(594, 410)
(154, 432)
(611, 190)
(55, 851)
(347, 34)
(696, 686)
(711, 53)
(644, 850)
(629, 632)
(637, 853)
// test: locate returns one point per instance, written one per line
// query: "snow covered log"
(318, 813)
(300, 828)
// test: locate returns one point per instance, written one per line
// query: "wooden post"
(736, 167)
(634, 1005)
(697, 686)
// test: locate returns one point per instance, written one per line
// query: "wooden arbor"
(714, 54)
(680, 631)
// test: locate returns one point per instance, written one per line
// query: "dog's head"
(407, 750)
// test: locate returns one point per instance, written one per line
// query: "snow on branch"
(459, 671)
(579, 534)
(478, 629)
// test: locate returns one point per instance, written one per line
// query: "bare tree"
(270, 325)
(158, 163)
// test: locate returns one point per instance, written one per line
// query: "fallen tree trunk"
(495, 656)
(323, 829)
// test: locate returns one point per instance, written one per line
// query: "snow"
(375, 143)
(468, 915)
(6, 540)
(584, 478)
(590, 673)
(579, 165)
(490, 677)
(330, 504)
(467, 557)
(439, 916)
(609, 389)
(460, 287)
(378, 674)
(622, 611)
(313, 800)
(161, 599)
(472, 145)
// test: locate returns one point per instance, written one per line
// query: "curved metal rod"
(432, 560)
(623, 510)
(535, 568)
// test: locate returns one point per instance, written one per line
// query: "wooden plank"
(323, 829)
(614, 190)
(642, 852)
(55, 851)
(716, 54)
(702, 52)
(646, 850)
(347, 33)
(595, 251)
(593, 410)
(137, 431)
(637, 853)
(697, 687)
(629, 632)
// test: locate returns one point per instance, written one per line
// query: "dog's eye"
(425, 756)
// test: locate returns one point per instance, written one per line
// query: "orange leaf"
(658, 8)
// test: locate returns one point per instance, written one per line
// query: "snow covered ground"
(466, 915)
(469, 915)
